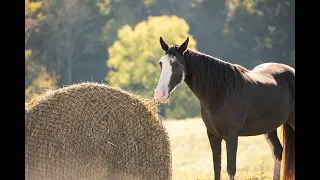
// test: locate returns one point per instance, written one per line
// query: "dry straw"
(92, 131)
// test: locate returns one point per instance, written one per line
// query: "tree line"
(117, 41)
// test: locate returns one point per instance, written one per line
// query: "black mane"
(217, 79)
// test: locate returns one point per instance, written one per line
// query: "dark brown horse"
(235, 102)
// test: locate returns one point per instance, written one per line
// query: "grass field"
(192, 156)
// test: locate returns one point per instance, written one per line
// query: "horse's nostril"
(163, 93)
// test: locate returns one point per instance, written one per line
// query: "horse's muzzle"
(161, 95)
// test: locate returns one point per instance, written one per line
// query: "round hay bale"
(92, 131)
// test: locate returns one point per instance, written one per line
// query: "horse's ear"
(183, 47)
(164, 45)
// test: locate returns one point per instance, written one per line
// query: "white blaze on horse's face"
(162, 91)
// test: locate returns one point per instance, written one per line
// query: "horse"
(235, 101)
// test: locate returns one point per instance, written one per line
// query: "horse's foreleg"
(276, 148)
(215, 143)
(232, 146)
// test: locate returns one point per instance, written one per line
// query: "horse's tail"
(288, 157)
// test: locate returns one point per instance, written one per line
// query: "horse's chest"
(211, 127)
(208, 122)
(222, 123)
(219, 126)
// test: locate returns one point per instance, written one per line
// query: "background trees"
(117, 41)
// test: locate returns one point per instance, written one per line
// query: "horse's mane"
(214, 78)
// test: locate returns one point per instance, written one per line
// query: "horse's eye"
(175, 64)
(160, 63)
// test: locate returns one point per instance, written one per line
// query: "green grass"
(192, 156)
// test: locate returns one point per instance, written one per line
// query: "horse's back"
(273, 73)
(275, 76)
(272, 69)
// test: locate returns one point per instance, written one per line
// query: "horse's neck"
(199, 88)
(210, 89)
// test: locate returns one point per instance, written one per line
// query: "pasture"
(192, 157)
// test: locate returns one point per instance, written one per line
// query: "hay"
(91, 131)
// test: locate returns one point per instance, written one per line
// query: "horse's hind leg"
(276, 148)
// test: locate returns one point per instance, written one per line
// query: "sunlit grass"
(192, 156)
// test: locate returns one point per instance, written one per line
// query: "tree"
(32, 18)
(71, 30)
(36, 75)
(261, 31)
(133, 61)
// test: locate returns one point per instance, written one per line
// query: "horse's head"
(173, 69)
